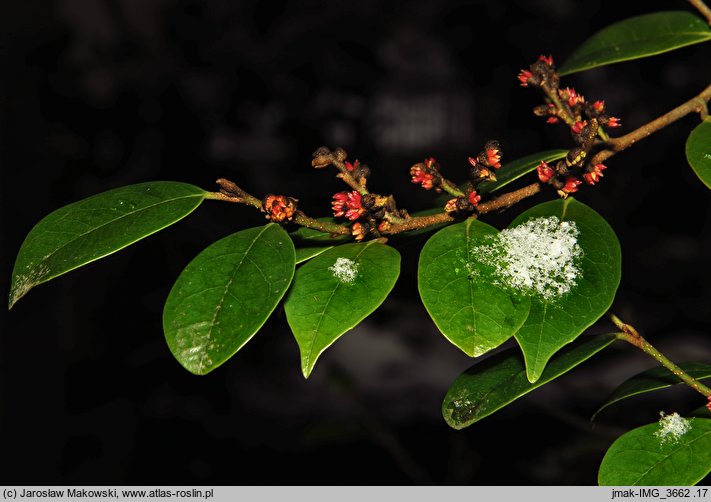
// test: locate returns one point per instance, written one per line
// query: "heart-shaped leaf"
(461, 294)
(557, 320)
(698, 151)
(97, 226)
(653, 379)
(638, 37)
(490, 385)
(511, 171)
(335, 291)
(226, 294)
(644, 457)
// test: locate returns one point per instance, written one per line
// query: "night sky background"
(96, 94)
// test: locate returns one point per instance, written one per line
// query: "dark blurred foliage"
(97, 94)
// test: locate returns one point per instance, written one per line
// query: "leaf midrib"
(322, 314)
(225, 292)
(95, 229)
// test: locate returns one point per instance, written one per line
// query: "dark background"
(97, 94)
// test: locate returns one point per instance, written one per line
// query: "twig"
(697, 104)
(702, 8)
(630, 335)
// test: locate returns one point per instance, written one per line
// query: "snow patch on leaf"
(540, 257)
(345, 270)
(672, 427)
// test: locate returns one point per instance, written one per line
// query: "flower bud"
(545, 172)
(278, 208)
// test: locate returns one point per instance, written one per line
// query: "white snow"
(672, 427)
(540, 257)
(345, 270)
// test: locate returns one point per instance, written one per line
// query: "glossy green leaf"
(306, 253)
(335, 291)
(499, 380)
(638, 37)
(638, 458)
(226, 294)
(698, 151)
(511, 171)
(97, 226)
(460, 293)
(654, 379)
(553, 323)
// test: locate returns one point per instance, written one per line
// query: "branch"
(503, 202)
(702, 8)
(697, 104)
(631, 336)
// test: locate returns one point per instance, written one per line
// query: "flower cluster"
(462, 204)
(278, 208)
(427, 174)
(586, 120)
(348, 204)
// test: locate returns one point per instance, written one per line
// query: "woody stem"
(630, 335)
(697, 104)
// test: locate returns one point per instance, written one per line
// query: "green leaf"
(553, 323)
(638, 458)
(97, 226)
(513, 170)
(698, 151)
(226, 294)
(501, 379)
(305, 254)
(460, 294)
(335, 291)
(653, 379)
(638, 37)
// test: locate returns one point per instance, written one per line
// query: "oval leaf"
(97, 226)
(492, 384)
(305, 254)
(638, 37)
(513, 170)
(555, 322)
(638, 458)
(335, 291)
(460, 294)
(698, 151)
(653, 379)
(226, 294)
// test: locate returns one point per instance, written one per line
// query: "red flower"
(431, 162)
(599, 106)
(614, 122)
(474, 198)
(473, 161)
(450, 206)
(383, 226)
(347, 204)
(709, 404)
(278, 207)
(354, 165)
(571, 95)
(493, 156)
(579, 126)
(422, 177)
(548, 60)
(545, 173)
(359, 230)
(552, 120)
(571, 185)
(595, 174)
(523, 77)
